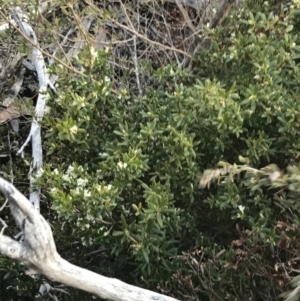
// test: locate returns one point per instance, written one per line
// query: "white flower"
(55, 171)
(40, 172)
(103, 154)
(74, 129)
(81, 182)
(98, 187)
(241, 208)
(94, 53)
(122, 165)
(86, 193)
(66, 178)
(70, 169)
(241, 214)
(274, 176)
(54, 190)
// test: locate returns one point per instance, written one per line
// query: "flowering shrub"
(124, 171)
(186, 185)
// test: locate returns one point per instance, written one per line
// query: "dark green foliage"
(18, 284)
(122, 172)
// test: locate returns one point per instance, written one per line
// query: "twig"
(4, 225)
(71, 31)
(136, 66)
(4, 205)
(21, 150)
(133, 31)
(10, 160)
(125, 13)
(151, 41)
(40, 49)
(186, 17)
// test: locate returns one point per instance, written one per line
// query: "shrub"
(123, 171)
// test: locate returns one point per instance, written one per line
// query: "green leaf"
(145, 255)
(118, 233)
(159, 219)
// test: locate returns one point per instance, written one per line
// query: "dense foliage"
(132, 181)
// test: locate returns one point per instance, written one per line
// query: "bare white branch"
(43, 78)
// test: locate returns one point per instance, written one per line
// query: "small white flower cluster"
(74, 129)
(105, 90)
(70, 174)
(78, 101)
(54, 190)
(59, 99)
(241, 213)
(123, 94)
(55, 171)
(86, 192)
(103, 188)
(103, 155)
(39, 173)
(94, 53)
(121, 165)
(81, 182)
